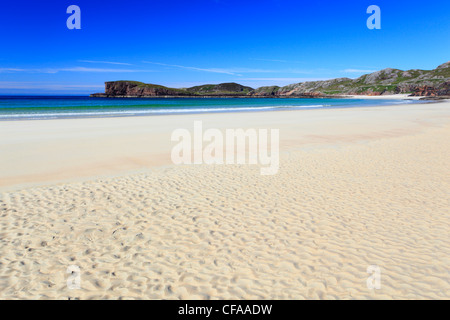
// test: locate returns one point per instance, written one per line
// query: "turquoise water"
(23, 108)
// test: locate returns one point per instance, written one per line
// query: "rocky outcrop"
(428, 83)
(266, 91)
(429, 91)
(425, 91)
(444, 89)
(138, 89)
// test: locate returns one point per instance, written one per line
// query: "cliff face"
(417, 82)
(429, 91)
(138, 89)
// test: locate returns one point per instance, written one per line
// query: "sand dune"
(370, 189)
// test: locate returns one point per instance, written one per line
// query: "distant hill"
(220, 89)
(387, 81)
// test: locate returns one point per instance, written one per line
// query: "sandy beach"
(356, 187)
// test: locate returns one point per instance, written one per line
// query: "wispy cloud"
(279, 71)
(234, 71)
(282, 79)
(69, 69)
(358, 71)
(106, 62)
(46, 86)
(276, 60)
(214, 70)
(83, 69)
(261, 82)
(6, 70)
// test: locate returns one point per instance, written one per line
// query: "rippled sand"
(226, 232)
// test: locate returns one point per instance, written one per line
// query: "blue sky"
(186, 43)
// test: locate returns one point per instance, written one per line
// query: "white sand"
(356, 187)
(402, 96)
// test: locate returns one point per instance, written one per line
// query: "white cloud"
(234, 71)
(262, 82)
(107, 62)
(83, 69)
(5, 70)
(46, 86)
(69, 69)
(214, 70)
(282, 79)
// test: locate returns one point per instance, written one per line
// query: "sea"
(60, 107)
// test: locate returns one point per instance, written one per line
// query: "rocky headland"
(416, 82)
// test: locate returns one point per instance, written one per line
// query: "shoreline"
(342, 96)
(223, 109)
(76, 149)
